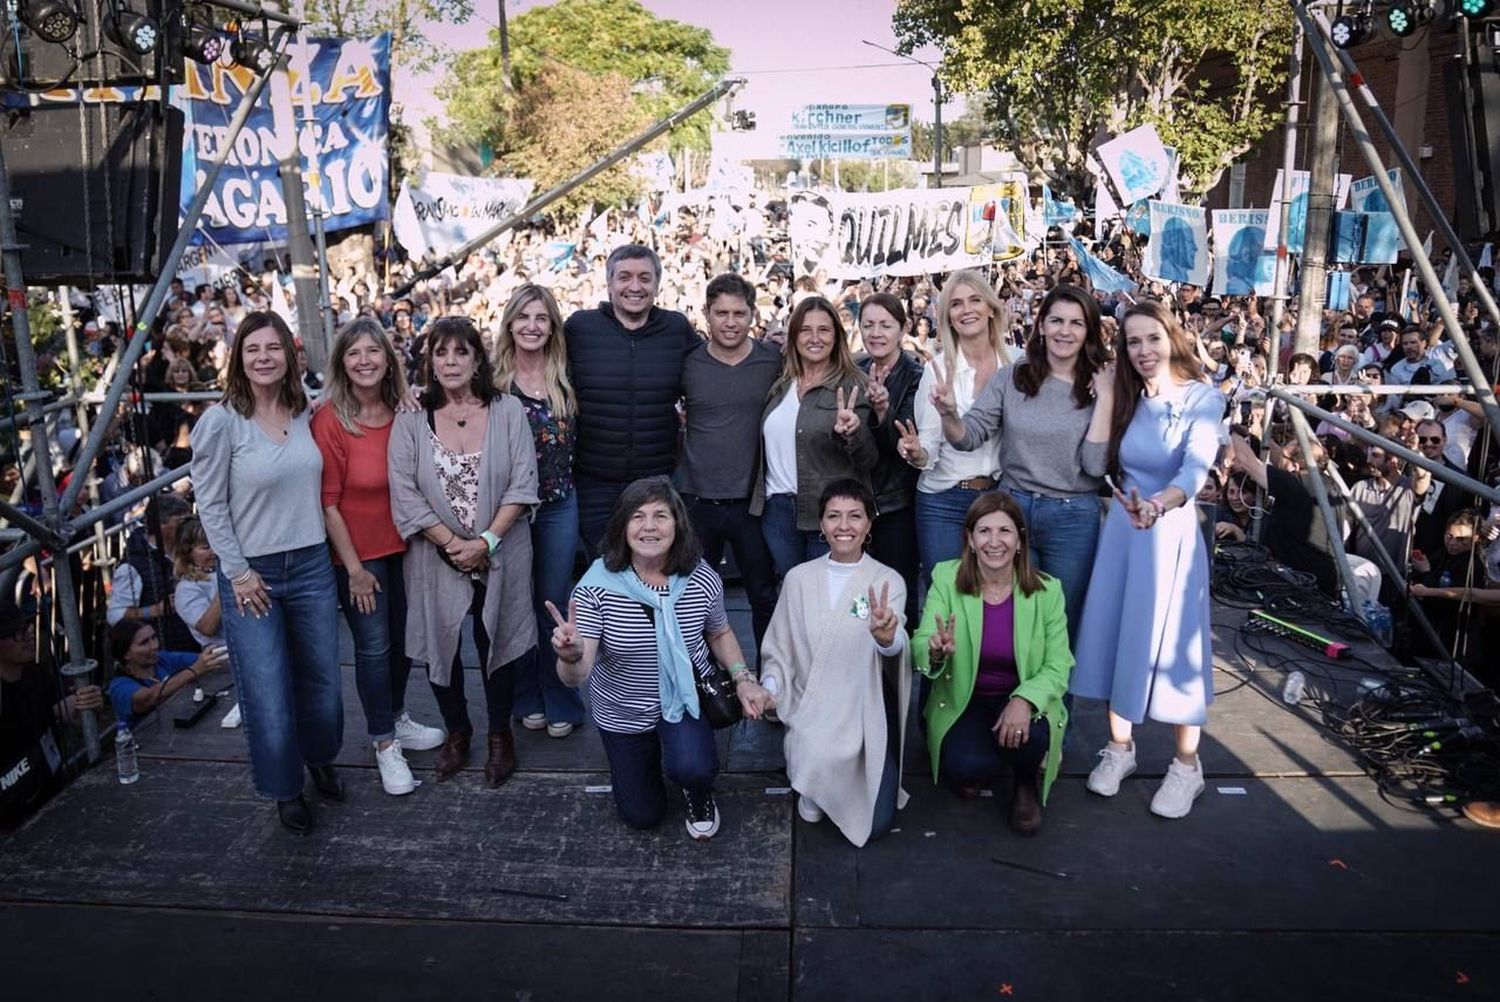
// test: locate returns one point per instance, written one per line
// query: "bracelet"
(243, 577)
(491, 540)
(1160, 508)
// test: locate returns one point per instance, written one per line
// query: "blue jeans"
(554, 540)
(1064, 534)
(940, 526)
(971, 755)
(381, 667)
(286, 669)
(729, 523)
(788, 544)
(596, 500)
(685, 750)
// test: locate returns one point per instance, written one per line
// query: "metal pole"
(1475, 372)
(41, 445)
(1288, 167)
(1322, 153)
(547, 198)
(1438, 470)
(75, 380)
(136, 344)
(1439, 217)
(1330, 520)
(98, 514)
(1384, 559)
(315, 177)
(20, 554)
(937, 130)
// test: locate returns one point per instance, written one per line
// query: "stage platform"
(1291, 879)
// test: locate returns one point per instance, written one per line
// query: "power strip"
(1264, 622)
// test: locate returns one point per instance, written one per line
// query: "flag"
(559, 253)
(279, 304)
(1054, 212)
(1427, 245)
(1100, 275)
(1486, 257)
(1450, 279)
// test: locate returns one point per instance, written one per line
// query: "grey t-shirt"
(1042, 446)
(721, 446)
(256, 496)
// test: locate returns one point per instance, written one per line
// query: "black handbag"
(716, 697)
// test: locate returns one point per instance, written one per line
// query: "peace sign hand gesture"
(942, 397)
(846, 421)
(565, 636)
(909, 447)
(940, 644)
(883, 620)
(878, 396)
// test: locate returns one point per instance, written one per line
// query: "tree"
(1061, 75)
(585, 76)
(410, 48)
(968, 129)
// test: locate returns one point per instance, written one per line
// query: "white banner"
(1137, 162)
(1178, 249)
(1297, 221)
(446, 211)
(907, 231)
(1242, 266)
(1383, 233)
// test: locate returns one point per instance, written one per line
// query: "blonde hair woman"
(531, 364)
(353, 431)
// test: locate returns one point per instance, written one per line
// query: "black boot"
(294, 814)
(327, 781)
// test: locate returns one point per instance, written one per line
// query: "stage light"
(202, 44)
(253, 52)
(136, 32)
(1473, 9)
(1401, 19)
(52, 20)
(1350, 30)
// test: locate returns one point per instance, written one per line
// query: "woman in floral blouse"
(531, 362)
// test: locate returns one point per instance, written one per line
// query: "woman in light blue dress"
(1144, 643)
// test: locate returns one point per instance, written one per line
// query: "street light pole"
(937, 109)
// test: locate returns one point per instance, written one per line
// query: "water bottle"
(1291, 693)
(1385, 627)
(126, 763)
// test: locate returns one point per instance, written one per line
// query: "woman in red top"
(353, 430)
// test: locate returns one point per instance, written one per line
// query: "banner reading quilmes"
(350, 82)
(907, 231)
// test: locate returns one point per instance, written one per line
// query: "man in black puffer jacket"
(625, 359)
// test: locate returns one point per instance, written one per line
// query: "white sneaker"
(534, 721)
(395, 774)
(702, 816)
(559, 730)
(1180, 787)
(418, 737)
(1114, 765)
(808, 810)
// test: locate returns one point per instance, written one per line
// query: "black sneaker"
(702, 816)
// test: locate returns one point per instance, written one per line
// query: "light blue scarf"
(675, 676)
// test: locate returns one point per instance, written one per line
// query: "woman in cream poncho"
(838, 672)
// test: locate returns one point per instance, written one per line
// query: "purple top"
(997, 651)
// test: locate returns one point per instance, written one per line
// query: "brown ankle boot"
(1025, 810)
(502, 760)
(453, 757)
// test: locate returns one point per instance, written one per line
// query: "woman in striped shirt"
(640, 626)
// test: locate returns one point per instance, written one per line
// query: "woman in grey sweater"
(1053, 440)
(257, 474)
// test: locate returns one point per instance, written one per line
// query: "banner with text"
(1242, 265)
(907, 231)
(1382, 236)
(1178, 251)
(852, 118)
(443, 212)
(350, 81)
(1297, 218)
(846, 145)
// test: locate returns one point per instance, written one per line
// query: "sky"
(791, 52)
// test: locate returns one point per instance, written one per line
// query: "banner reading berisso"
(351, 101)
(846, 145)
(908, 231)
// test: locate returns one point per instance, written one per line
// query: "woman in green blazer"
(994, 639)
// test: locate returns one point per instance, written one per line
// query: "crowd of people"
(912, 476)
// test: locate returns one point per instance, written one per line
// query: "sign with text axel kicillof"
(351, 86)
(849, 131)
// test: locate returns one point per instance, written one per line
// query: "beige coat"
(830, 697)
(437, 596)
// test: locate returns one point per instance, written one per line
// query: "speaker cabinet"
(95, 190)
(1473, 94)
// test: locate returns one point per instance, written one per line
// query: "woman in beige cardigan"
(463, 473)
(838, 672)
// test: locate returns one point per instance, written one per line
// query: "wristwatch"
(491, 540)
